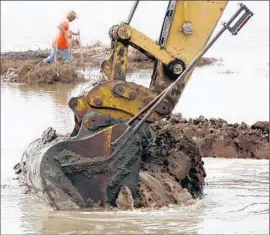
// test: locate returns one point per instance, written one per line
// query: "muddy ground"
(23, 67)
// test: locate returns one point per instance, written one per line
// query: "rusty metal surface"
(98, 145)
(85, 167)
(115, 67)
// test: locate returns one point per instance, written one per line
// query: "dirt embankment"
(218, 138)
(23, 67)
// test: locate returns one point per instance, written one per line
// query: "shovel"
(79, 37)
(55, 62)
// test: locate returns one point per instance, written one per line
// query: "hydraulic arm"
(186, 29)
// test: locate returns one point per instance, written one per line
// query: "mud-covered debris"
(30, 72)
(178, 164)
(152, 192)
(173, 153)
(264, 126)
(125, 199)
(158, 190)
(218, 138)
(175, 191)
(48, 135)
(17, 168)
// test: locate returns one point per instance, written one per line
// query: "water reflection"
(60, 93)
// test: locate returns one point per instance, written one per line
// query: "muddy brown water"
(237, 190)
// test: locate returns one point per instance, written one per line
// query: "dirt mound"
(175, 163)
(263, 126)
(218, 138)
(30, 73)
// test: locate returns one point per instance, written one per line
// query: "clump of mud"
(172, 169)
(218, 138)
(30, 72)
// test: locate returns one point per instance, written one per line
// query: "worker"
(60, 42)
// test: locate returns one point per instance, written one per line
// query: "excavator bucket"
(85, 163)
(81, 171)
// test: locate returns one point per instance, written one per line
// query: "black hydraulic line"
(131, 14)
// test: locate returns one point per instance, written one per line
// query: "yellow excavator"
(111, 119)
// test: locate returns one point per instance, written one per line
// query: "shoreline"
(16, 65)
